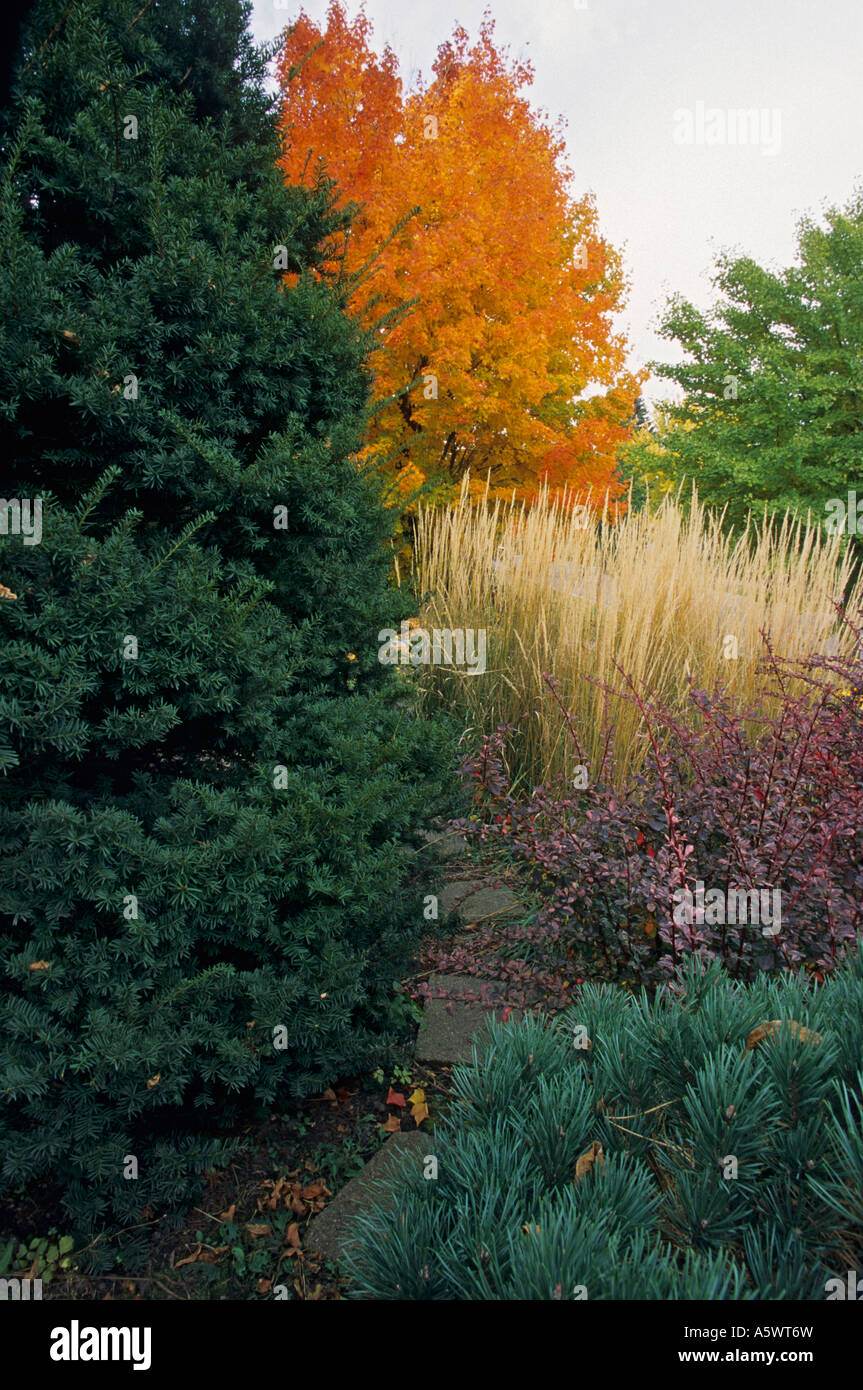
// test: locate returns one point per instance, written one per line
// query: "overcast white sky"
(618, 70)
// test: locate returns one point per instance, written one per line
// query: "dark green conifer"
(206, 770)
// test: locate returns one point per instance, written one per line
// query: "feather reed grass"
(666, 595)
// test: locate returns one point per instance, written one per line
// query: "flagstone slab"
(473, 900)
(454, 894)
(446, 844)
(330, 1232)
(450, 1028)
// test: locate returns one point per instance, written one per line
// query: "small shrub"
(673, 1156)
(742, 801)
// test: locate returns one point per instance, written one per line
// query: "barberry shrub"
(741, 840)
(207, 773)
(705, 1144)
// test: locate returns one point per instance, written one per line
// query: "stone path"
(454, 1019)
(449, 1028)
(329, 1233)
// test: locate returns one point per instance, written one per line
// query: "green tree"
(772, 410)
(208, 773)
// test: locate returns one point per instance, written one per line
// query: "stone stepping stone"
(450, 1037)
(473, 900)
(446, 844)
(329, 1232)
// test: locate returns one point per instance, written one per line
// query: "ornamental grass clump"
(707, 1144)
(664, 593)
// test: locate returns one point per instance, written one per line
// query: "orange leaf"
(419, 1113)
(212, 1257)
(41, 965)
(292, 1235)
(392, 1125)
(314, 1190)
(590, 1159)
(768, 1030)
(256, 1231)
(188, 1259)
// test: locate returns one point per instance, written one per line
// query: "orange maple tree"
(507, 363)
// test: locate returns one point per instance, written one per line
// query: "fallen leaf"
(41, 965)
(590, 1159)
(256, 1231)
(310, 1167)
(212, 1257)
(395, 1098)
(329, 1094)
(393, 1125)
(768, 1030)
(417, 1097)
(229, 1214)
(314, 1190)
(264, 1285)
(154, 1081)
(188, 1259)
(419, 1113)
(292, 1235)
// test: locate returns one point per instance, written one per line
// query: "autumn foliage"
(465, 210)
